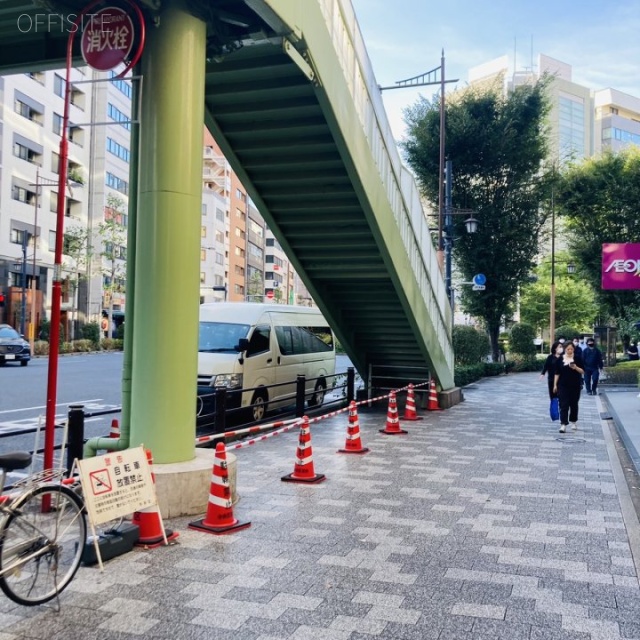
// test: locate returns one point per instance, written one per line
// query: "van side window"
(285, 341)
(318, 339)
(259, 342)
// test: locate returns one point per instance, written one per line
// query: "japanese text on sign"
(116, 484)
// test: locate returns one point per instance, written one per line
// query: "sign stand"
(115, 485)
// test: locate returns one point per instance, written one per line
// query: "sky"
(404, 38)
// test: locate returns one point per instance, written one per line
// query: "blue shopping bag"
(554, 409)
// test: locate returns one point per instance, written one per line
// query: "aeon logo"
(624, 266)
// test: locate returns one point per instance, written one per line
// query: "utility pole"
(423, 80)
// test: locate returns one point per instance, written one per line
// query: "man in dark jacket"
(593, 365)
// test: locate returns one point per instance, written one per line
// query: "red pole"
(56, 292)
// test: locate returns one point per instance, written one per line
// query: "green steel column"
(165, 332)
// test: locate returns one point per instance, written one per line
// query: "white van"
(244, 345)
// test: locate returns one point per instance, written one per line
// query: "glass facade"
(571, 128)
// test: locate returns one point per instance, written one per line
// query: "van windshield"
(220, 337)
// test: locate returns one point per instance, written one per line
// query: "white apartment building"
(31, 111)
(617, 120)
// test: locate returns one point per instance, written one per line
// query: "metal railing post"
(76, 434)
(300, 393)
(221, 410)
(351, 384)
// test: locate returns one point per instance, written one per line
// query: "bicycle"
(43, 530)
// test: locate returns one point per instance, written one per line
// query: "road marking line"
(60, 404)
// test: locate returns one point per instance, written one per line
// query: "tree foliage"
(497, 145)
(599, 199)
(575, 303)
(470, 346)
(521, 339)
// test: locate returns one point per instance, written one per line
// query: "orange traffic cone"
(303, 470)
(433, 397)
(115, 429)
(353, 443)
(410, 407)
(393, 424)
(152, 531)
(219, 518)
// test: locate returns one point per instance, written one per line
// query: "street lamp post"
(471, 225)
(37, 184)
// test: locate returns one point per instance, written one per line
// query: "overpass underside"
(291, 99)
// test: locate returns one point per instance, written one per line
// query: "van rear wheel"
(259, 405)
(317, 398)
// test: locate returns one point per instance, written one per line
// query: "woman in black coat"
(549, 367)
(567, 383)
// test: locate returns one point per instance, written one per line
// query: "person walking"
(632, 350)
(567, 383)
(593, 366)
(549, 367)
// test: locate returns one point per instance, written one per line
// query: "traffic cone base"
(201, 525)
(151, 529)
(353, 443)
(318, 477)
(397, 432)
(219, 518)
(303, 469)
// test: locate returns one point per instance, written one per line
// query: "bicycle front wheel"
(41, 544)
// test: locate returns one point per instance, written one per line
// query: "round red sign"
(107, 38)
(269, 295)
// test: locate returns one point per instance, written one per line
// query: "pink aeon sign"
(621, 266)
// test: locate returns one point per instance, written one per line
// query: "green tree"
(600, 201)
(77, 251)
(470, 346)
(497, 145)
(575, 300)
(521, 338)
(255, 287)
(113, 237)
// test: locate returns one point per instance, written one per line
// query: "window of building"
(270, 242)
(239, 270)
(57, 124)
(219, 215)
(239, 214)
(240, 233)
(25, 153)
(255, 250)
(239, 289)
(118, 116)
(203, 232)
(58, 85)
(17, 236)
(118, 150)
(29, 109)
(203, 255)
(239, 252)
(122, 85)
(220, 237)
(219, 258)
(113, 181)
(204, 209)
(23, 194)
(203, 277)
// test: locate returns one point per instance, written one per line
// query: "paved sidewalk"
(482, 523)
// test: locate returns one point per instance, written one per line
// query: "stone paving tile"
(467, 528)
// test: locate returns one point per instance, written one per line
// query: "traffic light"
(1, 299)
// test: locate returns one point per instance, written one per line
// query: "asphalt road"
(92, 380)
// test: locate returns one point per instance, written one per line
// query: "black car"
(13, 347)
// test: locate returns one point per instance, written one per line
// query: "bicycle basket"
(46, 476)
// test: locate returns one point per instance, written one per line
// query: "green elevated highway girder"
(326, 177)
(292, 100)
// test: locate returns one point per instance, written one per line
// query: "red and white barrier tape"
(288, 423)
